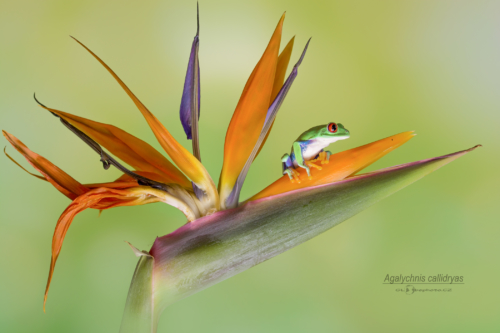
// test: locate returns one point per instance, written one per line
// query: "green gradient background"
(379, 67)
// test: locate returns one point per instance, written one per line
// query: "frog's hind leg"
(286, 162)
(287, 166)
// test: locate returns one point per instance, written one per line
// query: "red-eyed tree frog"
(309, 148)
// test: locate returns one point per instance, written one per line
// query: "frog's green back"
(311, 133)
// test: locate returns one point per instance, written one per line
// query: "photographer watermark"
(445, 281)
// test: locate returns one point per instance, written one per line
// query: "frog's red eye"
(332, 127)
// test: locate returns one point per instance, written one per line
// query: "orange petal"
(104, 198)
(249, 115)
(66, 184)
(341, 165)
(91, 199)
(127, 147)
(279, 78)
(188, 164)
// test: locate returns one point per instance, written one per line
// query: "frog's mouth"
(347, 135)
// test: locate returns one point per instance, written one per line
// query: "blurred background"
(379, 67)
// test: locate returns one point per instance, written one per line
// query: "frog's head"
(335, 130)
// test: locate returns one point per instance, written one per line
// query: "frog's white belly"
(313, 148)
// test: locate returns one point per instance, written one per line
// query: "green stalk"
(138, 315)
(216, 247)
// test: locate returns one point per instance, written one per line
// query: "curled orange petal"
(130, 149)
(341, 165)
(249, 115)
(186, 161)
(106, 198)
(63, 182)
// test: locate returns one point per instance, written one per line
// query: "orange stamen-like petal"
(66, 184)
(279, 78)
(188, 164)
(19, 165)
(126, 181)
(281, 67)
(130, 149)
(341, 166)
(249, 115)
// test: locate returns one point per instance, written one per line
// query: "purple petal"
(190, 95)
(190, 103)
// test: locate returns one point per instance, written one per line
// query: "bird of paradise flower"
(225, 236)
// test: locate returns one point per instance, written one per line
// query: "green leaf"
(216, 247)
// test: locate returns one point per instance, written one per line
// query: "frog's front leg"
(324, 157)
(297, 150)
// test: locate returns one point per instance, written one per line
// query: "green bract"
(216, 247)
